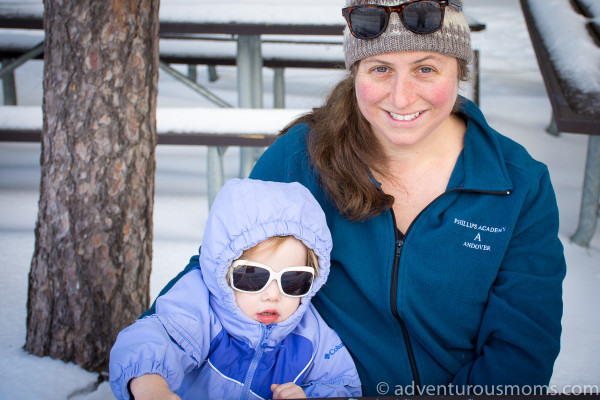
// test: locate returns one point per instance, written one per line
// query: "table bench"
(574, 110)
(278, 53)
(203, 42)
(217, 128)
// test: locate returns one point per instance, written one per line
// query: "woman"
(446, 266)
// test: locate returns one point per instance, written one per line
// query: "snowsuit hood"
(245, 213)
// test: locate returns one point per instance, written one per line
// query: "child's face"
(271, 306)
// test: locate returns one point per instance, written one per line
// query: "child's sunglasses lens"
(423, 17)
(296, 283)
(249, 278)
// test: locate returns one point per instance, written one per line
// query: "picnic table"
(247, 22)
(568, 51)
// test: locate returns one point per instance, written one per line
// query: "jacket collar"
(481, 165)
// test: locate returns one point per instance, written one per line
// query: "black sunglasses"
(252, 277)
(368, 21)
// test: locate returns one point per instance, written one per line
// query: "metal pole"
(215, 176)
(212, 73)
(194, 86)
(250, 91)
(214, 158)
(588, 214)
(36, 51)
(476, 83)
(9, 88)
(552, 128)
(278, 88)
(192, 72)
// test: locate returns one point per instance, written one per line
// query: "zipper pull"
(399, 244)
(265, 336)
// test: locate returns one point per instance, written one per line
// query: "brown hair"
(276, 241)
(344, 151)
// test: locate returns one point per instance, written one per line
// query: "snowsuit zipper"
(254, 363)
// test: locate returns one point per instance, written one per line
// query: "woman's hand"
(151, 387)
(287, 391)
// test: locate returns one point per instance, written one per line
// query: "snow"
(513, 98)
(310, 12)
(316, 12)
(271, 50)
(25, 8)
(20, 39)
(178, 119)
(572, 50)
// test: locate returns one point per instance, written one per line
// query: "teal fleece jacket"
(472, 295)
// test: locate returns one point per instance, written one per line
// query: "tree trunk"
(91, 266)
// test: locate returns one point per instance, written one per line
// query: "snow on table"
(308, 12)
(574, 54)
(178, 120)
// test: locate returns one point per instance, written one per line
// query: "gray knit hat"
(453, 39)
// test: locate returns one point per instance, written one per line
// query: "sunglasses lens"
(423, 16)
(368, 22)
(249, 278)
(296, 283)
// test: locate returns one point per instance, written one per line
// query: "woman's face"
(407, 97)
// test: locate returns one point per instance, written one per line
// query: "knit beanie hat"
(453, 39)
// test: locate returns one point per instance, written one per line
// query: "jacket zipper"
(254, 363)
(394, 306)
(395, 273)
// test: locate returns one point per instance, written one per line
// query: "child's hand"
(151, 387)
(287, 391)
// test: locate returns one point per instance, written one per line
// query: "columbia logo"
(331, 352)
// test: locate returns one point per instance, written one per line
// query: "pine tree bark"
(90, 270)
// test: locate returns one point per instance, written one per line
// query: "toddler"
(240, 325)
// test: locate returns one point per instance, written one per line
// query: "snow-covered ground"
(512, 97)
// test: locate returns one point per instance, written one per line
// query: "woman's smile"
(406, 117)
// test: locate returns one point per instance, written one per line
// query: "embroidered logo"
(477, 242)
(332, 352)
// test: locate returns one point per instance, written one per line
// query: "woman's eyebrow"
(426, 58)
(377, 61)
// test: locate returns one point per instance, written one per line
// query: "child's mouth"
(267, 317)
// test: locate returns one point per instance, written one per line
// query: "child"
(241, 325)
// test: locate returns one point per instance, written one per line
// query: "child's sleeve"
(332, 373)
(171, 343)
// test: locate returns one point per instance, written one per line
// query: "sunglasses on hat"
(252, 277)
(368, 21)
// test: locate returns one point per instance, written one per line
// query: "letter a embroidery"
(478, 237)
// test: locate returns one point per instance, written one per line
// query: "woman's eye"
(380, 69)
(426, 70)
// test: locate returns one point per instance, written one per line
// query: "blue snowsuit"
(205, 346)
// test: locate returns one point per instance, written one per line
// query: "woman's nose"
(402, 92)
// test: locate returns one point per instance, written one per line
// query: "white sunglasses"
(252, 277)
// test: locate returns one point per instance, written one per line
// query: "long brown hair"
(344, 150)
